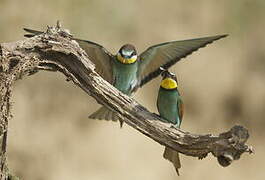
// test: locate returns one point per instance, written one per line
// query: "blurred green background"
(50, 136)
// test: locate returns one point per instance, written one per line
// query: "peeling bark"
(55, 50)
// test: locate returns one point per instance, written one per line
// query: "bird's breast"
(125, 76)
(167, 104)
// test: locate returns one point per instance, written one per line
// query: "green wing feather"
(32, 32)
(100, 57)
(167, 54)
(180, 109)
(96, 53)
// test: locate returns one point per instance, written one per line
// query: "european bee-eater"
(170, 108)
(127, 71)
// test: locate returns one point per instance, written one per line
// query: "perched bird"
(170, 108)
(127, 71)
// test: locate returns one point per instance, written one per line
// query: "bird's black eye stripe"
(133, 53)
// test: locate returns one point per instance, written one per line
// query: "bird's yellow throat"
(168, 83)
(126, 61)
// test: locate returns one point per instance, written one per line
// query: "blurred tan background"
(50, 136)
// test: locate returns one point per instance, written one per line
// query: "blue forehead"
(126, 52)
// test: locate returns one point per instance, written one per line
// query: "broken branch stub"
(55, 50)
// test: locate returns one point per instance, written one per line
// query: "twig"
(56, 51)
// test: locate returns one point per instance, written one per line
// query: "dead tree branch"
(56, 51)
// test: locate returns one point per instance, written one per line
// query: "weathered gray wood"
(55, 51)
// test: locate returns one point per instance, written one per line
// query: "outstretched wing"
(180, 108)
(31, 32)
(96, 53)
(166, 54)
(100, 57)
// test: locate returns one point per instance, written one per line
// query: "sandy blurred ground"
(50, 136)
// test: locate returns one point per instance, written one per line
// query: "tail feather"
(109, 116)
(173, 157)
(104, 113)
(99, 114)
